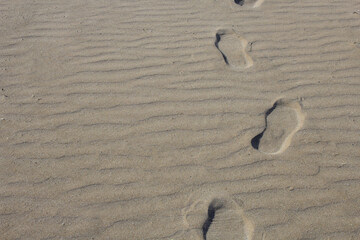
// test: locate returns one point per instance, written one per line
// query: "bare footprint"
(282, 121)
(256, 3)
(233, 49)
(219, 218)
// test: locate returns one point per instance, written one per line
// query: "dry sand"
(180, 120)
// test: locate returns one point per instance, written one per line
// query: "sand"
(180, 120)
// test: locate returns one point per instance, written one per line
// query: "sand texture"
(180, 120)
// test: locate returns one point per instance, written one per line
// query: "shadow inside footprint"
(240, 2)
(213, 207)
(256, 140)
(217, 40)
(282, 121)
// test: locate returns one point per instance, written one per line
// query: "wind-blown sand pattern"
(113, 113)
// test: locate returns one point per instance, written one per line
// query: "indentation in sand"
(233, 49)
(218, 218)
(282, 121)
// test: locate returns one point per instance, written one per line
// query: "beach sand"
(180, 120)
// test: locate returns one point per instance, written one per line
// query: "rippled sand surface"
(159, 119)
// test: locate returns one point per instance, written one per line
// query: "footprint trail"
(282, 121)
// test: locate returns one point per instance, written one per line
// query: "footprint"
(257, 3)
(233, 49)
(219, 218)
(282, 121)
